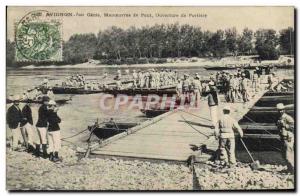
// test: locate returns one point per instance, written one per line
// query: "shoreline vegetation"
(167, 44)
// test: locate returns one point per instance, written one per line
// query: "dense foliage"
(153, 44)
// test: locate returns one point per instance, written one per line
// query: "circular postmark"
(38, 38)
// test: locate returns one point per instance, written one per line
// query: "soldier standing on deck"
(197, 88)
(213, 102)
(14, 118)
(244, 88)
(186, 89)
(286, 127)
(225, 133)
(135, 79)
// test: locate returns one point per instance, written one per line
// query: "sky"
(216, 18)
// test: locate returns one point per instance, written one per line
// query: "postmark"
(38, 38)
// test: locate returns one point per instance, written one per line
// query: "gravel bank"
(25, 172)
(269, 177)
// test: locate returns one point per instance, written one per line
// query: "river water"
(82, 110)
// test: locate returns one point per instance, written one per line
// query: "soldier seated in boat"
(118, 83)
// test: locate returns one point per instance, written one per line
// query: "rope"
(195, 115)
(75, 134)
(194, 127)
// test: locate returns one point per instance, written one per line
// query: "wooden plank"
(277, 98)
(262, 136)
(182, 157)
(258, 127)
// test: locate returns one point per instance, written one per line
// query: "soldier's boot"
(45, 154)
(30, 148)
(56, 157)
(37, 151)
(51, 156)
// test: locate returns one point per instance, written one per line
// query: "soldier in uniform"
(286, 127)
(231, 91)
(14, 119)
(135, 79)
(244, 88)
(197, 88)
(225, 133)
(41, 126)
(53, 131)
(186, 89)
(26, 127)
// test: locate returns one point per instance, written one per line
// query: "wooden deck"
(170, 136)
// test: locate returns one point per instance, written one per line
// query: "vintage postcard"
(150, 98)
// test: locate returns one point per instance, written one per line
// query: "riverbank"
(25, 172)
(170, 62)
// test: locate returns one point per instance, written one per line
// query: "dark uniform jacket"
(212, 97)
(53, 120)
(13, 117)
(43, 115)
(27, 115)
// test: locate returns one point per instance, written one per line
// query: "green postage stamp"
(38, 38)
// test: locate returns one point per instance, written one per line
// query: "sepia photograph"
(150, 98)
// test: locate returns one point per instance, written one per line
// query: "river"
(82, 110)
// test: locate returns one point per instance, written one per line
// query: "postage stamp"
(37, 38)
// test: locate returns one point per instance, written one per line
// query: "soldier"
(255, 80)
(14, 119)
(197, 88)
(213, 102)
(225, 133)
(26, 127)
(135, 78)
(41, 126)
(141, 79)
(118, 84)
(231, 91)
(147, 79)
(53, 131)
(186, 89)
(244, 88)
(179, 87)
(286, 127)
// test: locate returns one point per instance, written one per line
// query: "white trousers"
(27, 129)
(16, 137)
(42, 132)
(54, 141)
(214, 114)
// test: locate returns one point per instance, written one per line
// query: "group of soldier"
(20, 122)
(153, 78)
(77, 80)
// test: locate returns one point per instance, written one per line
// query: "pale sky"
(254, 18)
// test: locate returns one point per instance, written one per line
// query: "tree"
(266, 44)
(217, 44)
(79, 48)
(10, 54)
(286, 40)
(231, 41)
(245, 46)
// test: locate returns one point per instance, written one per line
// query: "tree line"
(153, 44)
